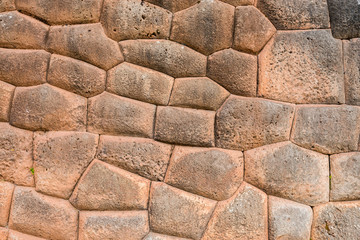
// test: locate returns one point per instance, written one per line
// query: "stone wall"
(179, 119)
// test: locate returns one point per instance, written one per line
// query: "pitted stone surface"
(172, 5)
(352, 71)
(4, 232)
(157, 236)
(14, 235)
(239, 2)
(6, 191)
(7, 5)
(6, 94)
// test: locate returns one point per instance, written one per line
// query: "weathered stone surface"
(47, 108)
(288, 171)
(345, 18)
(113, 225)
(302, 67)
(235, 71)
(23, 67)
(289, 220)
(59, 160)
(345, 179)
(185, 126)
(142, 156)
(165, 56)
(62, 12)
(239, 2)
(86, 42)
(206, 27)
(157, 236)
(199, 92)
(6, 94)
(139, 83)
(135, 19)
(76, 76)
(42, 216)
(7, 5)
(327, 129)
(16, 155)
(338, 221)
(172, 5)
(6, 191)
(293, 14)
(244, 216)
(105, 187)
(245, 123)
(252, 29)
(14, 235)
(212, 173)
(20, 31)
(4, 232)
(178, 213)
(352, 71)
(111, 114)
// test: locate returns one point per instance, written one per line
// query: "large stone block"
(239, 2)
(352, 71)
(157, 236)
(6, 94)
(14, 235)
(4, 232)
(172, 5)
(7, 5)
(6, 191)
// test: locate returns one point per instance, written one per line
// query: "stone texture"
(43, 216)
(289, 220)
(105, 187)
(252, 29)
(165, 56)
(4, 232)
(47, 108)
(199, 92)
(14, 235)
(86, 42)
(6, 191)
(288, 171)
(111, 114)
(131, 225)
(239, 2)
(302, 67)
(59, 160)
(338, 221)
(185, 126)
(206, 27)
(140, 83)
(76, 76)
(157, 236)
(142, 156)
(6, 94)
(16, 155)
(352, 71)
(293, 14)
(20, 31)
(23, 67)
(327, 129)
(212, 173)
(178, 213)
(244, 216)
(7, 5)
(172, 5)
(62, 12)
(345, 179)
(135, 19)
(245, 123)
(345, 18)
(235, 71)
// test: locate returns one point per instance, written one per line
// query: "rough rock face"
(7, 5)
(172, 5)
(6, 94)
(352, 71)
(6, 191)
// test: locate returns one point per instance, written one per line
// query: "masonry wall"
(186, 119)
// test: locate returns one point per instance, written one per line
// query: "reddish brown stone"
(206, 27)
(157, 236)
(76, 76)
(212, 173)
(165, 56)
(6, 94)
(113, 225)
(105, 187)
(6, 191)
(111, 114)
(239, 2)
(140, 83)
(43, 216)
(7, 5)
(135, 19)
(62, 12)
(20, 31)
(235, 71)
(14, 235)
(4, 232)
(172, 5)
(178, 213)
(16, 155)
(142, 156)
(244, 216)
(352, 71)
(47, 108)
(245, 123)
(59, 160)
(327, 129)
(23, 67)
(86, 42)
(185, 126)
(302, 67)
